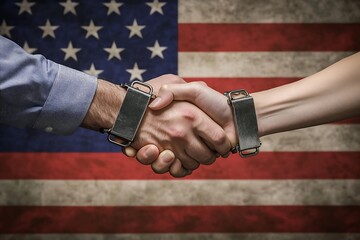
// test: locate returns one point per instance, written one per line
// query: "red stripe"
(253, 85)
(84, 166)
(250, 84)
(192, 219)
(268, 37)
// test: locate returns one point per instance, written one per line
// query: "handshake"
(187, 124)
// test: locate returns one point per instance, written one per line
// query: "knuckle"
(198, 84)
(219, 137)
(177, 133)
(164, 87)
(202, 83)
(196, 88)
(172, 78)
(189, 114)
(192, 165)
(205, 157)
(209, 159)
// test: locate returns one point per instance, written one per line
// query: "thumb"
(163, 98)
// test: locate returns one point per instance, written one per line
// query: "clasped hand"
(186, 125)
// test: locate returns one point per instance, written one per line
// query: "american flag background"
(304, 184)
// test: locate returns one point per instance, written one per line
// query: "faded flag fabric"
(304, 184)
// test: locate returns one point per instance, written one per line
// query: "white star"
(135, 29)
(70, 52)
(136, 72)
(156, 6)
(114, 51)
(25, 6)
(113, 6)
(69, 6)
(5, 29)
(157, 50)
(48, 29)
(92, 30)
(28, 49)
(92, 71)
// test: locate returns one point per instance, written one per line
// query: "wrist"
(258, 103)
(105, 106)
(276, 110)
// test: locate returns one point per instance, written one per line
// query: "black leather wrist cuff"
(131, 114)
(245, 121)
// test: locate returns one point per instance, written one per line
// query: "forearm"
(330, 95)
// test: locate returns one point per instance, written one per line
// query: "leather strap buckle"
(131, 113)
(245, 121)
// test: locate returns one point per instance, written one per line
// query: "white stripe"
(269, 11)
(179, 192)
(190, 236)
(328, 137)
(255, 64)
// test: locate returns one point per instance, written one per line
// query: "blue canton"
(119, 41)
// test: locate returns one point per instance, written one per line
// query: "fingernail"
(148, 152)
(167, 157)
(155, 102)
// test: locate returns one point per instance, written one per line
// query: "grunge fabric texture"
(304, 184)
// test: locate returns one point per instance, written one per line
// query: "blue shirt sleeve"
(38, 93)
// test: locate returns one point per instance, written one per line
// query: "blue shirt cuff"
(68, 102)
